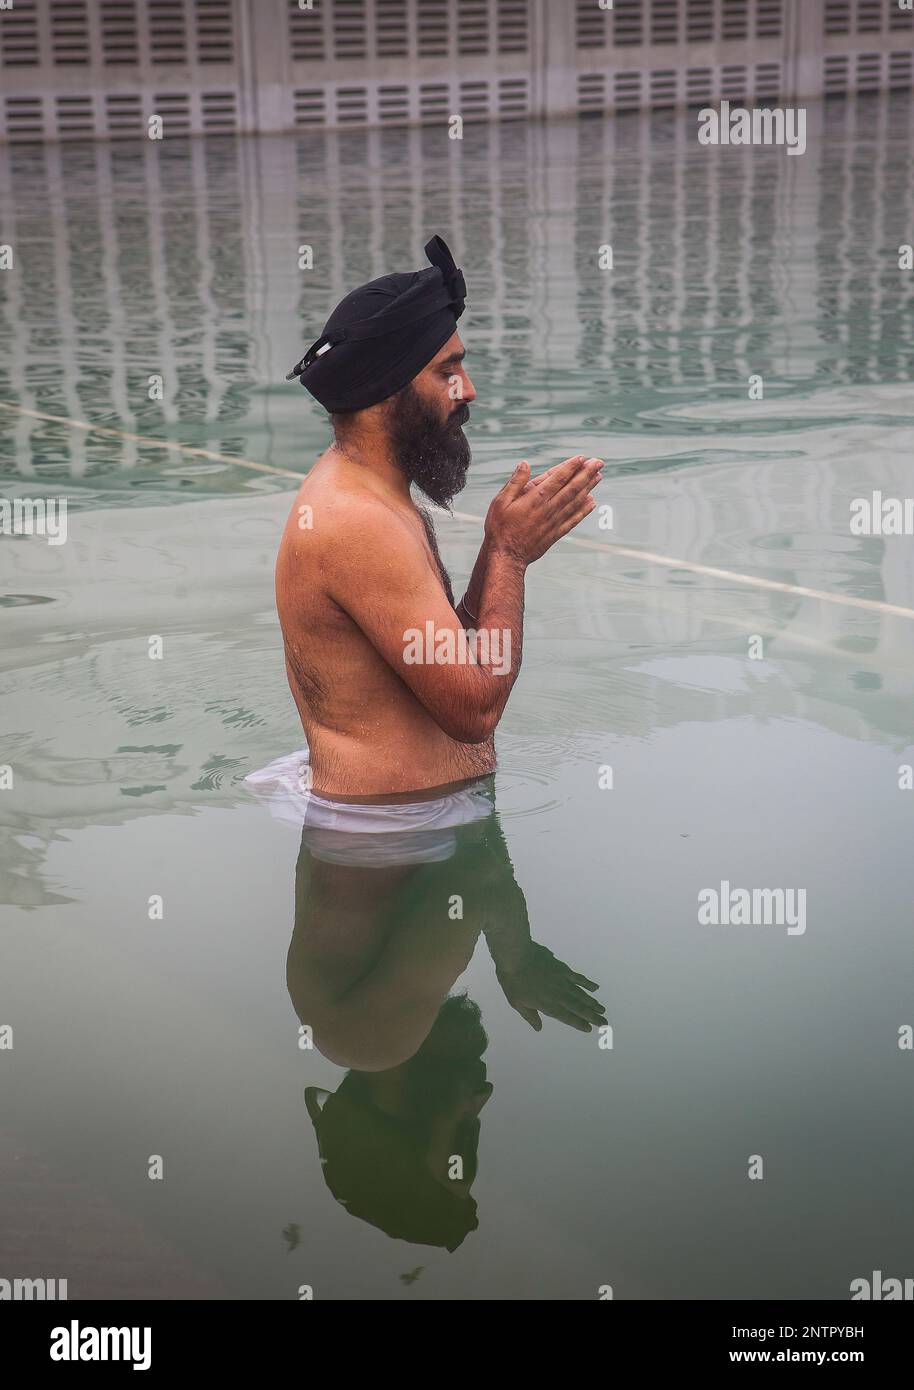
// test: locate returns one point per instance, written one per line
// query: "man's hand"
(542, 982)
(528, 516)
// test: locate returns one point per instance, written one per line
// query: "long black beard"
(433, 455)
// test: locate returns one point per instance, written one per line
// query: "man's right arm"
(382, 579)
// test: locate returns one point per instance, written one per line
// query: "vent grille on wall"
(73, 69)
(866, 17)
(310, 106)
(351, 106)
(124, 115)
(867, 72)
(665, 21)
(469, 41)
(503, 98)
(472, 27)
(219, 112)
(106, 33)
(71, 54)
(869, 17)
(627, 91)
(667, 87)
(663, 89)
(513, 97)
(19, 36)
(69, 33)
(24, 118)
(215, 31)
(306, 34)
(836, 75)
(634, 23)
(733, 86)
(735, 20)
(392, 33)
(432, 28)
(699, 88)
(700, 21)
(119, 34)
(119, 115)
(513, 18)
(627, 16)
(769, 19)
(393, 105)
(167, 31)
(434, 101)
(364, 30)
(767, 81)
(174, 108)
(837, 16)
(349, 30)
(75, 117)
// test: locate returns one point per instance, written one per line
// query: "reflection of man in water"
(389, 1140)
(359, 569)
(375, 950)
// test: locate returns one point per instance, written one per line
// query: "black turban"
(382, 334)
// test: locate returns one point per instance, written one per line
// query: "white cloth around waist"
(365, 834)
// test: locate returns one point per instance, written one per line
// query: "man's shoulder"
(333, 512)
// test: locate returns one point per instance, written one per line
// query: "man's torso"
(367, 732)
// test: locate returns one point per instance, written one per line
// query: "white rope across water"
(627, 552)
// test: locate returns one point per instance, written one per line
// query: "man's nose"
(469, 391)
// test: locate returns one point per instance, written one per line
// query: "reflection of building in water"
(712, 282)
(183, 262)
(130, 262)
(102, 67)
(179, 259)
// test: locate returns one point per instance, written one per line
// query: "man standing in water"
(359, 570)
(398, 813)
